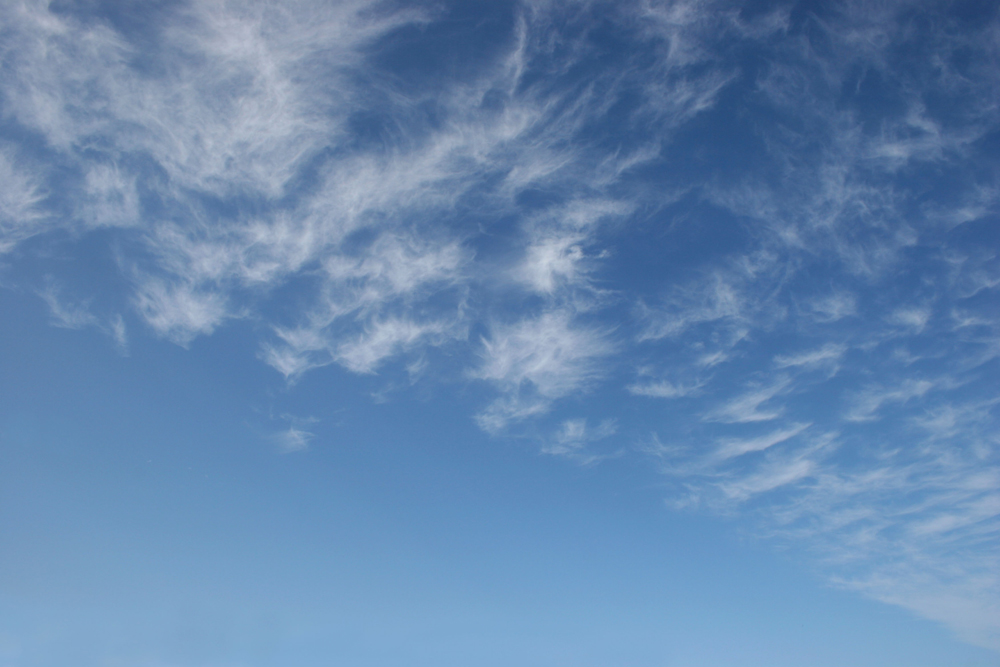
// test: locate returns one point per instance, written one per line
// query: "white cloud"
(747, 407)
(772, 475)
(664, 389)
(384, 338)
(969, 608)
(20, 194)
(363, 316)
(232, 171)
(866, 404)
(119, 333)
(230, 108)
(293, 440)
(574, 435)
(66, 314)
(912, 318)
(833, 307)
(535, 361)
(828, 355)
(549, 262)
(247, 98)
(110, 198)
(730, 448)
(180, 312)
(716, 299)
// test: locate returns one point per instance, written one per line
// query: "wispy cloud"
(912, 318)
(828, 355)
(293, 440)
(536, 361)
(867, 403)
(718, 299)
(20, 194)
(750, 406)
(66, 314)
(826, 309)
(180, 311)
(833, 307)
(382, 339)
(663, 389)
(729, 448)
(69, 314)
(572, 438)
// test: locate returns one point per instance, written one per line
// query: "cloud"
(729, 448)
(293, 440)
(827, 355)
(119, 333)
(535, 361)
(248, 106)
(746, 407)
(912, 318)
(867, 403)
(573, 437)
(893, 531)
(364, 314)
(265, 165)
(67, 314)
(235, 110)
(773, 475)
(969, 609)
(180, 312)
(717, 299)
(20, 194)
(383, 339)
(110, 197)
(663, 389)
(229, 107)
(833, 307)
(550, 261)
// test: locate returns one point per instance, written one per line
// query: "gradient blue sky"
(538, 333)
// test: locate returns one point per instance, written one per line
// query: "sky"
(633, 334)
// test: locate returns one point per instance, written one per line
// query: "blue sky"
(539, 333)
